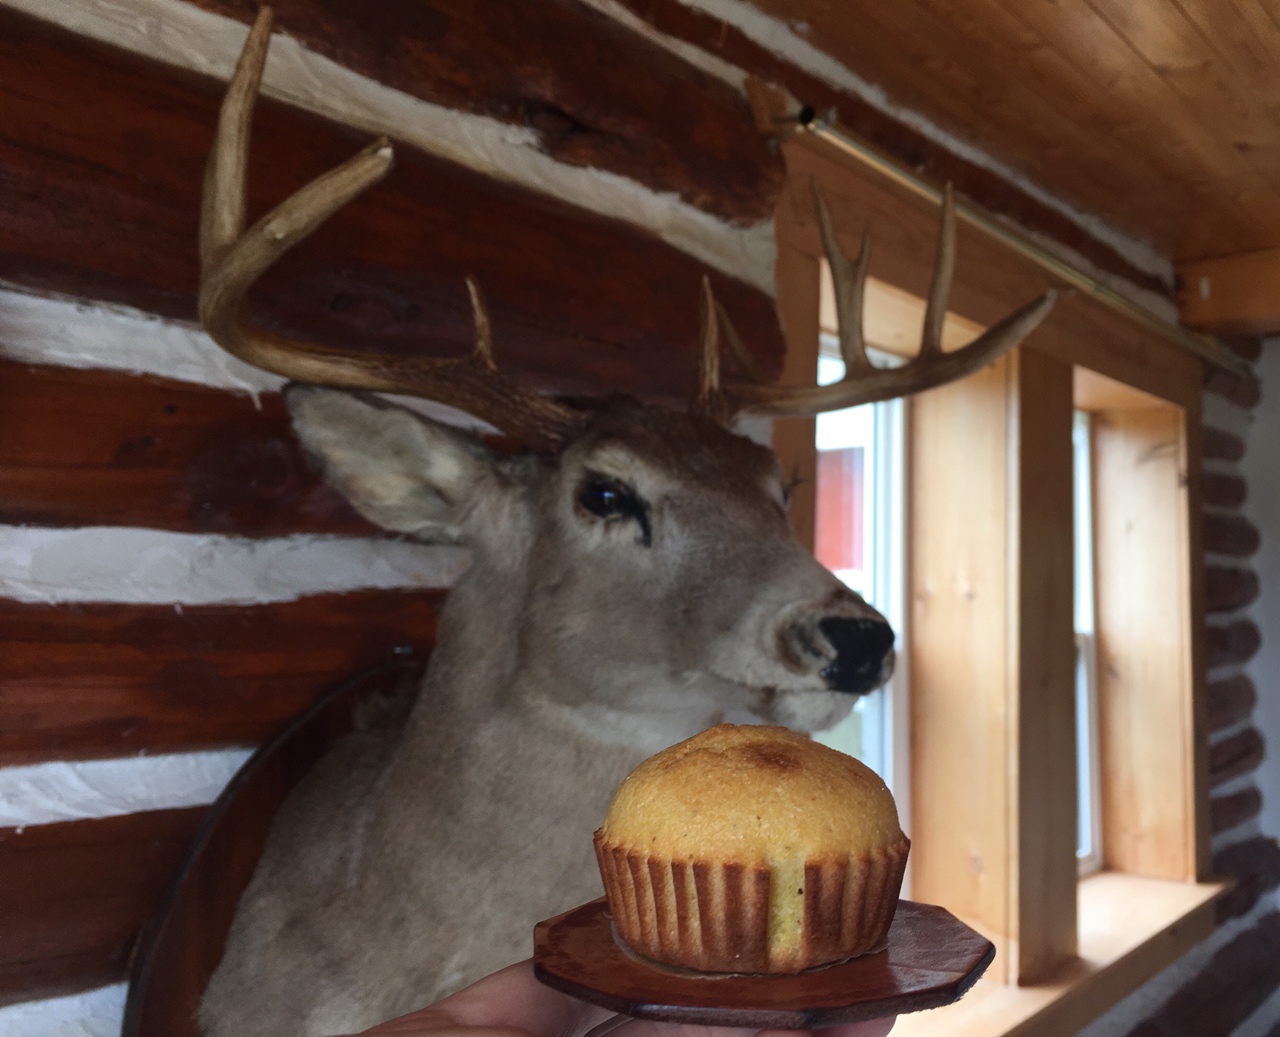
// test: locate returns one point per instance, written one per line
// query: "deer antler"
(863, 382)
(231, 259)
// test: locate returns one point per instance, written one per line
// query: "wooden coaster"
(931, 960)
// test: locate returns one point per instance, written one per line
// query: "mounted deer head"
(634, 579)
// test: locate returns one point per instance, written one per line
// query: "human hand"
(512, 1003)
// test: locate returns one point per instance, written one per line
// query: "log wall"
(176, 582)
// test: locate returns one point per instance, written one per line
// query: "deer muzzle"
(862, 653)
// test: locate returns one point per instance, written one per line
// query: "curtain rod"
(1206, 347)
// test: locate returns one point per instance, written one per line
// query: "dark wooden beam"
(595, 93)
(101, 158)
(73, 896)
(908, 146)
(1232, 295)
(81, 448)
(81, 681)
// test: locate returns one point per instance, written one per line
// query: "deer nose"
(861, 646)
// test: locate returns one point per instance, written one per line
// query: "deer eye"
(608, 498)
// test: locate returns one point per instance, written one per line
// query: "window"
(1088, 772)
(997, 792)
(858, 535)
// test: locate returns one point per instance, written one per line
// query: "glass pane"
(858, 490)
(1088, 817)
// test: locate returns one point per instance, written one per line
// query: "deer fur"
(414, 860)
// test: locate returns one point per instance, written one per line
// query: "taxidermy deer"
(634, 578)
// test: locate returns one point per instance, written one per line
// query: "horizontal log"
(100, 200)
(1229, 988)
(81, 681)
(1231, 535)
(74, 895)
(1236, 755)
(1227, 589)
(595, 93)
(1230, 701)
(1217, 445)
(103, 448)
(1255, 865)
(1246, 346)
(1234, 642)
(1243, 392)
(1228, 811)
(1222, 491)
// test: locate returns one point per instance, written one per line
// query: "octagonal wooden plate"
(931, 959)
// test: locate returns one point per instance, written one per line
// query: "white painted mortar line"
(179, 33)
(93, 1013)
(47, 793)
(144, 566)
(58, 331)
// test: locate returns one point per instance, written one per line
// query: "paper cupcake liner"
(714, 917)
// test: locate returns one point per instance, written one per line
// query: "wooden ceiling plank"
(1076, 162)
(1166, 43)
(1072, 102)
(1089, 42)
(1116, 169)
(991, 107)
(1160, 147)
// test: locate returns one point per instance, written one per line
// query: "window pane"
(859, 511)
(1088, 793)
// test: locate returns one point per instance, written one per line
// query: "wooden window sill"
(1130, 928)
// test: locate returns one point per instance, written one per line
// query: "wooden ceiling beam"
(1232, 295)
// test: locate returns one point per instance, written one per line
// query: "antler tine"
(706, 400)
(929, 368)
(223, 202)
(940, 290)
(483, 351)
(231, 259)
(849, 280)
(745, 360)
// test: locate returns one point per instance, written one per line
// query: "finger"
(648, 1028)
(511, 1003)
(871, 1028)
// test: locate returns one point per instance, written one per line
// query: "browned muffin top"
(752, 795)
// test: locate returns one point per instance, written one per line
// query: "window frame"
(1060, 962)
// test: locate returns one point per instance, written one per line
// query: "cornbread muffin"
(752, 849)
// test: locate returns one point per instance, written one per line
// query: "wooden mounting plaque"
(931, 960)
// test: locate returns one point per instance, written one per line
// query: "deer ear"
(402, 471)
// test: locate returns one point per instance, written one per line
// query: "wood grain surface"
(73, 895)
(931, 960)
(594, 92)
(103, 448)
(81, 681)
(103, 153)
(1154, 117)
